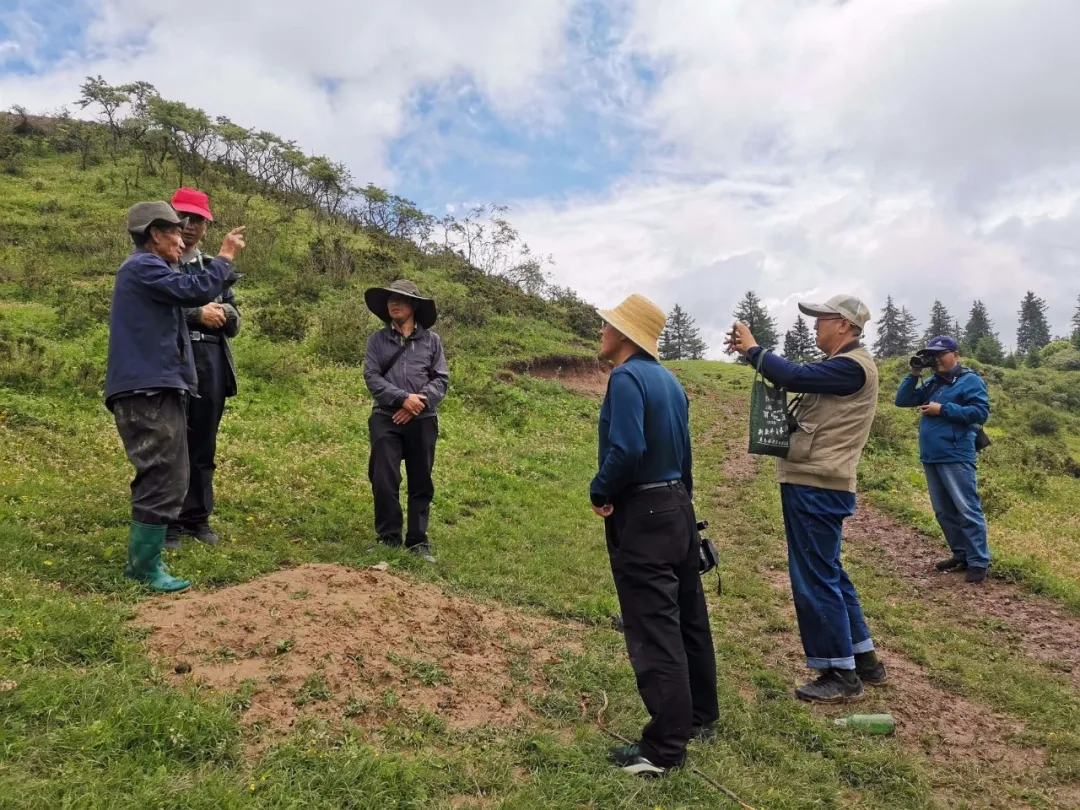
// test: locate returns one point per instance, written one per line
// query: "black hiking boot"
(204, 534)
(391, 540)
(705, 733)
(629, 758)
(951, 564)
(975, 575)
(832, 686)
(172, 538)
(870, 670)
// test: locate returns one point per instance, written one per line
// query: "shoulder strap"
(394, 359)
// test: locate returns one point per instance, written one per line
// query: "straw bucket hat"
(640, 320)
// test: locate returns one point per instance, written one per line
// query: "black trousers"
(154, 432)
(414, 443)
(653, 543)
(203, 421)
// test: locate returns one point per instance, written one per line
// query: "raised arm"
(837, 375)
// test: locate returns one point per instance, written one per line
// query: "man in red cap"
(210, 326)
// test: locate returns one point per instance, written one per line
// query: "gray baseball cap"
(846, 306)
(144, 214)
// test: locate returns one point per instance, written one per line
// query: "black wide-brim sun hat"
(377, 300)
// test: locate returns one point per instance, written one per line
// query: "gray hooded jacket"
(421, 369)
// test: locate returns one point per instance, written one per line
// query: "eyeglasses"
(195, 219)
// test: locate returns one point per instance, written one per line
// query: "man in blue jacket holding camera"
(954, 405)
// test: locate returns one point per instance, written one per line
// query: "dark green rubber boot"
(144, 559)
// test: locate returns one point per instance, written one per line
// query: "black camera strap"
(394, 359)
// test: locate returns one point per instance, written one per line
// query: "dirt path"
(1043, 629)
(948, 728)
(951, 730)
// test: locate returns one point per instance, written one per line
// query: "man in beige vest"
(817, 491)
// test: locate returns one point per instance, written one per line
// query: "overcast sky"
(686, 149)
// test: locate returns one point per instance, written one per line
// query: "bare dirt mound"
(336, 642)
(946, 727)
(1043, 628)
(581, 374)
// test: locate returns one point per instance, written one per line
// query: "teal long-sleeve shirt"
(644, 430)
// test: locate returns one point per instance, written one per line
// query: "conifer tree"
(909, 332)
(1075, 337)
(892, 331)
(800, 345)
(1033, 331)
(941, 323)
(752, 312)
(681, 339)
(978, 326)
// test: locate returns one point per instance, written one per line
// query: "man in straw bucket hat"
(405, 370)
(643, 491)
(817, 491)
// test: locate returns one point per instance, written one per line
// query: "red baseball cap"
(192, 201)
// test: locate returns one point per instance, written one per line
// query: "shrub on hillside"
(1064, 359)
(81, 305)
(342, 327)
(995, 496)
(891, 430)
(25, 361)
(1043, 421)
(283, 321)
(281, 364)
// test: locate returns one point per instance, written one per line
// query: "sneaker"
(951, 564)
(391, 540)
(975, 574)
(871, 674)
(705, 733)
(830, 687)
(204, 534)
(422, 550)
(172, 538)
(629, 758)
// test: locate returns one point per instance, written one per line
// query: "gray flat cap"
(144, 214)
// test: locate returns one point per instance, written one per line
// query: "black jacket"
(232, 319)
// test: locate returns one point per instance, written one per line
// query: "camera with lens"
(709, 557)
(925, 359)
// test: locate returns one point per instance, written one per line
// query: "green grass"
(86, 720)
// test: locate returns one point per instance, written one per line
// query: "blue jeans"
(954, 495)
(831, 621)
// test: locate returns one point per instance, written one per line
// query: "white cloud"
(265, 64)
(920, 148)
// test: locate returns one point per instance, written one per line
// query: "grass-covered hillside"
(361, 689)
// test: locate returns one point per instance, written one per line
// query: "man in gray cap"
(150, 374)
(838, 398)
(406, 372)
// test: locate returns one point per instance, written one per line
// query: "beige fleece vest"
(833, 430)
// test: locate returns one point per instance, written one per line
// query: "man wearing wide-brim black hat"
(405, 370)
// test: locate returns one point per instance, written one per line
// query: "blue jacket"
(644, 430)
(149, 345)
(965, 406)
